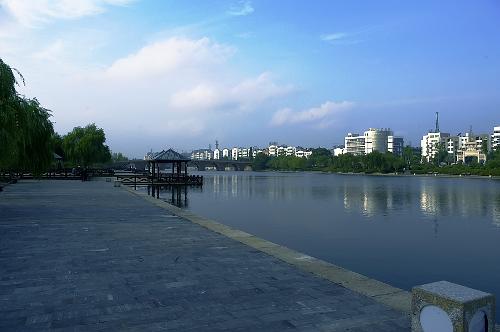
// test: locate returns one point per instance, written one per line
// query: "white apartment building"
(453, 145)
(290, 151)
(430, 144)
(381, 140)
(273, 149)
(302, 153)
(217, 154)
(460, 147)
(338, 151)
(245, 153)
(395, 145)
(234, 153)
(495, 139)
(226, 153)
(354, 144)
(201, 154)
(256, 151)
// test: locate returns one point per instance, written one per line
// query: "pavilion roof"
(168, 155)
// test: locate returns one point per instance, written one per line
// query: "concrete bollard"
(117, 183)
(446, 307)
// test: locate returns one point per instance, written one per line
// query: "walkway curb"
(393, 297)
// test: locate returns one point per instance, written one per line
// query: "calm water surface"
(401, 230)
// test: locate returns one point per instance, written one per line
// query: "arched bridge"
(201, 165)
(221, 165)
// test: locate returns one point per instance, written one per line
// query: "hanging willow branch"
(25, 129)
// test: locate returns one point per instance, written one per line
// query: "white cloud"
(35, 12)
(243, 8)
(177, 90)
(311, 115)
(52, 52)
(245, 95)
(334, 36)
(164, 57)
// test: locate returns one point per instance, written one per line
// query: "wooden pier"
(161, 180)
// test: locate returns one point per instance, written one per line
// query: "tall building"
(354, 144)
(495, 139)
(431, 144)
(377, 140)
(381, 140)
(433, 141)
(395, 145)
(217, 153)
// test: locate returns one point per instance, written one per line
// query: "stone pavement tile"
(89, 257)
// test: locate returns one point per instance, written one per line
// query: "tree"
(117, 157)
(320, 158)
(260, 162)
(441, 155)
(25, 129)
(85, 146)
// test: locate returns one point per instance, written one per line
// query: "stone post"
(446, 307)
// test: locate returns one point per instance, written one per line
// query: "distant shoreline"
(390, 174)
(424, 175)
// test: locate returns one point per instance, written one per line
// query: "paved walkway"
(87, 256)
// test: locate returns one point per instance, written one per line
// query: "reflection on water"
(367, 195)
(175, 195)
(402, 230)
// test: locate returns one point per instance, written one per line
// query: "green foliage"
(25, 129)
(287, 163)
(260, 161)
(441, 155)
(374, 162)
(116, 157)
(57, 142)
(320, 158)
(85, 146)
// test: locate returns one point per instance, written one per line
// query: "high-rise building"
(377, 140)
(395, 145)
(381, 140)
(495, 139)
(354, 144)
(431, 143)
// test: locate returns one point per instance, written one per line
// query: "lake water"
(404, 231)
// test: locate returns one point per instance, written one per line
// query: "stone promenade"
(87, 256)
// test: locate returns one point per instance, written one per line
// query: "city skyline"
(249, 72)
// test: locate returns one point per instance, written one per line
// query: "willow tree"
(25, 129)
(85, 146)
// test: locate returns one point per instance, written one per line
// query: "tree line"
(375, 162)
(28, 141)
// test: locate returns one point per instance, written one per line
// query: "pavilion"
(178, 176)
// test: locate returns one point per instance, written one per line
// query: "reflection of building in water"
(496, 212)
(370, 198)
(216, 183)
(449, 197)
(234, 185)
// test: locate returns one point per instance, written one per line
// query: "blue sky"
(181, 74)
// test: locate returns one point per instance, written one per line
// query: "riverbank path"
(85, 256)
